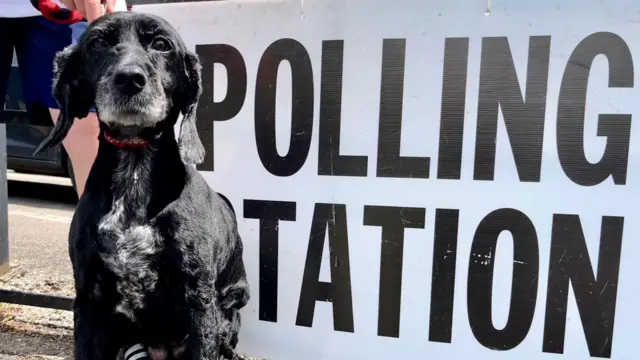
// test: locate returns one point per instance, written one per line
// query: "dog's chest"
(132, 247)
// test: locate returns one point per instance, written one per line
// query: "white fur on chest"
(135, 246)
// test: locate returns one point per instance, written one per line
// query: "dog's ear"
(191, 149)
(70, 92)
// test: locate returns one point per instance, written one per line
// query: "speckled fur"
(156, 253)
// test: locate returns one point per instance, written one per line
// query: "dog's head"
(137, 72)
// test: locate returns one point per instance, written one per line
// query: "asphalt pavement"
(40, 211)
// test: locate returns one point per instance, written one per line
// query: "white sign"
(419, 179)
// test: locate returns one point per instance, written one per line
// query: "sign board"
(424, 179)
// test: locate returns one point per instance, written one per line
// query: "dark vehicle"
(26, 130)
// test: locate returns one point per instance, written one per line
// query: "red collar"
(133, 142)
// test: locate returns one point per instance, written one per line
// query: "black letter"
(571, 109)
(523, 118)
(393, 221)
(209, 110)
(454, 90)
(269, 213)
(596, 297)
(338, 291)
(390, 163)
(524, 285)
(443, 277)
(330, 162)
(301, 107)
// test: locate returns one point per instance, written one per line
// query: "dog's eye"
(98, 43)
(161, 44)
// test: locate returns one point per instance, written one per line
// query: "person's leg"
(81, 145)
(42, 40)
(6, 56)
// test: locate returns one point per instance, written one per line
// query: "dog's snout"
(130, 80)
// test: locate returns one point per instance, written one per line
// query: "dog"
(156, 253)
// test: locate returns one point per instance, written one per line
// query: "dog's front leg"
(202, 342)
(232, 298)
(92, 338)
(233, 295)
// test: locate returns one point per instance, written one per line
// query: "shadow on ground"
(50, 196)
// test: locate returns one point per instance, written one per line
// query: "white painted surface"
(251, 26)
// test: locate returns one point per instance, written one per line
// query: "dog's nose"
(130, 80)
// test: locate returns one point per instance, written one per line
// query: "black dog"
(157, 258)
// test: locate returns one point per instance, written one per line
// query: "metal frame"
(35, 299)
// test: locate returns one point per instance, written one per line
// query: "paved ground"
(40, 210)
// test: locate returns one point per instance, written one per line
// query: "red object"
(134, 142)
(54, 12)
